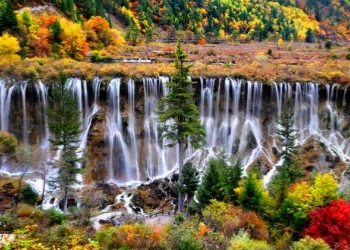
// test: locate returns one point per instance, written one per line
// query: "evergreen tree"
(286, 133)
(89, 8)
(309, 36)
(212, 186)
(132, 34)
(251, 195)
(100, 9)
(64, 124)
(8, 20)
(290, 170)
(179, 116)
(234, 175)
(189, 181)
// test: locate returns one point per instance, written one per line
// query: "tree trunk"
(20, 184)
(43, 193)
(181, 163)
(65, 206)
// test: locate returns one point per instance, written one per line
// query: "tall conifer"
(64, 124)
(179, 116)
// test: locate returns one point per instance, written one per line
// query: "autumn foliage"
(332, 224)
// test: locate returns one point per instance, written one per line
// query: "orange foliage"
(254, 225)
(202, 230)
(39, 45)
(47, 20)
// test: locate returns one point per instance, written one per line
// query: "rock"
(71, 202)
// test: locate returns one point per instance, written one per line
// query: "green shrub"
(347, 57)
(328, 44)
(189, 242)
(269, 52)
(55, 216)
(8, 223)
(242, 242)
(309, 243)
(28, 195)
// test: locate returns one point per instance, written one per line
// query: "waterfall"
(23, 87)
(120, 167)
(42, 94)
(5, 104)
(239, 117)
(134, 154)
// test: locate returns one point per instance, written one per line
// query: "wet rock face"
(156, 195)
(314, 156)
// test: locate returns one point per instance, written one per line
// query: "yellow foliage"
(74, 39)
(324, 190)
(202, 230)
(9, 46)
(280, 42)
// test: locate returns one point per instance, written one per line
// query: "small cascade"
(120, 168)
(42, 94)
(158, 156)
(23, 88)
(5, 104)
(80, 92)
(134, 154)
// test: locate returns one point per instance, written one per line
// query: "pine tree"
(189, 181)
(234, 175)
(179, 115)
(290, 170)
(8, 20)
(286, 133)
(212, 186)
(64, 124)
(89, 8)
(251, 196)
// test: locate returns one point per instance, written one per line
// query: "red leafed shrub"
(254, 225)
(332, 224)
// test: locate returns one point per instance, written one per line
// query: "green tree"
(132, 34)
(189, 181)
(290, 169)
(89, 8)
(8, 145)
(8, 20)
(212, 185)
(234, 176)
(24, 154)
(251, 195)
(179, 116)
(64, 124)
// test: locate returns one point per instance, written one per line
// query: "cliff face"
(120, 131)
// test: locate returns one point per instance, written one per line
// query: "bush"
(309, 243)
(347, 57)
(242, 242)
(28, 195)
(55, 217)
(24, 210)
(211, 52)
(269, 52)
(8, 222)
(328, 44)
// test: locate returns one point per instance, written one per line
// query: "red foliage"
(332, 224)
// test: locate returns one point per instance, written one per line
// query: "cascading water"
(5, 104)
(239, 117)
(120, 167)
(80, 92)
